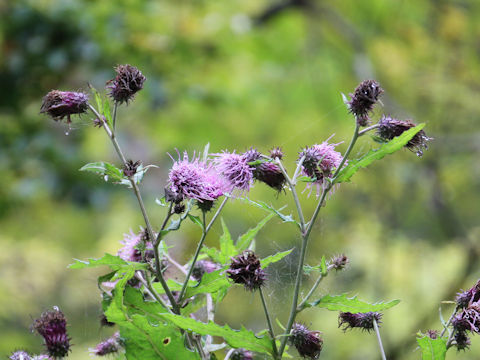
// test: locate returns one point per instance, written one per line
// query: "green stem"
(367, 129)
(312, 290)
(270, 327)
(379, 339)
(136, 190)
(114, 114)
(206, 229)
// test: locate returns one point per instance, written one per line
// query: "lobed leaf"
(432, 349)
(353, 304)
(390, 147)
(112, 261)
(274, 258)
(246, 239)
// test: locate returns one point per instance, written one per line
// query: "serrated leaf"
(271, 209)
(227, 248)
(274, 258)
(432, 349)
(114, 262)
(352, 305)
(390, 147)
(210, 283)
(235, 338)
(196, 220)
(109, 171)
(246, 239)
(107, 113)
(98, 99)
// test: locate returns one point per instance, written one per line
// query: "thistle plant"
(159, 317)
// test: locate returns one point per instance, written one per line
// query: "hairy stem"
(270, 327)
(379, 339)
(136, 190)
(206, 229)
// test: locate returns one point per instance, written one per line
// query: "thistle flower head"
(52, 325)
(432, 334)
(276, 153)
(363, 100)
(246, 269)
(339, 262)
(132, 244)
(235, 170)
(465, 298)
(462, 341)
(110, 346)
(204, 266)
(358, 320)
(195, 179)
(388, 128)
(129, 80)
(20, 355)
(241, 354)
(270, 174)
(308, 343)
(60, 104)
(319, 162)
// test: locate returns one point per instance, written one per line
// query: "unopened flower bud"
(266, 172)
(363, 321)
(52, 325)
(130, 168)
(462, 341)
(129, 80)
(246, 269)
(308, 343)
(60, 104)
(432, 334)
(179, 208)
(339, 262)
(276, 153)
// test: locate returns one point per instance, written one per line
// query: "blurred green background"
(236, 74)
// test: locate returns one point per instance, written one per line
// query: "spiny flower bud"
(241, 354)
(52, 325)
(276, 153)
(110, 346)
(60, 104)
(389, 128)
(204, 266)
(358, 320)
(308, 343)
(128, 81)
(20, 355)
(464, 298)
(130, 168)
(363, 99)
(266, 172)
(339, 262)
(462, 341)
(246, 269)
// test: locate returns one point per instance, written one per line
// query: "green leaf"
(271, 209)
(323, 266)
(246, 239)
(107, 113)
(274, 258)
(227, 248)
(162, 201)
(353, 304)
(196, 220)
(432, 349)
(393, 145)
(211, 283)
(98, 98)
(114, 262)
(235, 338)
(109, 171)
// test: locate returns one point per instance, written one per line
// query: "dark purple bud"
(204, 266)
(308, 343)
(205, 205)
(276, 153)
(363, 100)
(389, 128)
(60, 104)
(128, 81)
(52, 325)
(172, 196)
(270, 174)
(20, 355)
(110, 346)
(339, 262)
(358, 320)
(462, 341)
(252, 155)
(179, 208)
(432, 334)
(130, 168)
(246, 269)
(241, 354)
(460, 322)
(104, 321)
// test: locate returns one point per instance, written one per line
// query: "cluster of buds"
(246, 269)
(308, 343)
(364, 321)
(52, 325)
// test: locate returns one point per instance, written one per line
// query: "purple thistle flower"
(235, 170)
(389, 128)
(465, 298)
(339, 262)
(363, 100)
(129, 80)
(52, 325)
(241, 354)
(462, 341)
(358, 320)
(204, 266)
(195, 179)
(109, 346)
(308, 343)
(276, 153)
(432, 334)
(60, 104)
(246, 269)
(319, 163)
(131, 243)
(20, 355)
